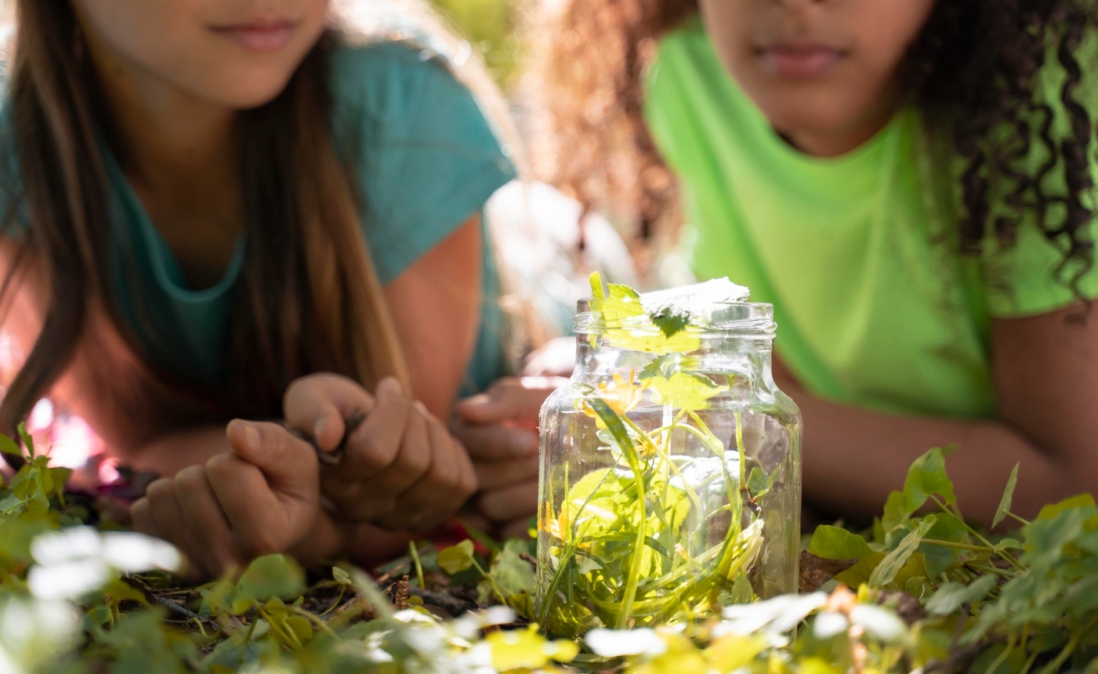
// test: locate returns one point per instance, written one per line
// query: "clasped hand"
(401, 470)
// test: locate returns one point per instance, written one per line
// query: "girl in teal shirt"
(911, 183)
(220, 210)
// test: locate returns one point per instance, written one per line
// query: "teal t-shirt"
(875, 306)
(426, 159)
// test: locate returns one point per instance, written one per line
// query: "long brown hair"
(975, 74)
(310, 299)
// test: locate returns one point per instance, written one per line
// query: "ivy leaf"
(952, 596)
(837, 543)
(894, 561)
(684, 391)
(28, 441)
(671, 323)
(759, 483)
(269, 576)
(1051, 511)
(457, 558)
(895, 512)
(628, 326)
(1008, 496)
(340, 576)
(927, 476)
(940, 557)
(9, 446)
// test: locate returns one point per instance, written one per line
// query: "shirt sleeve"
(426, 155)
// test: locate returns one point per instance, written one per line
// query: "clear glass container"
(695, 424)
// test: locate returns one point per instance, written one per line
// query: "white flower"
(617, 643)
(75, 561)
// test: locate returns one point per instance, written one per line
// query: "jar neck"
(744, 356)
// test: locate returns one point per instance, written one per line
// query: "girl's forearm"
(854, 457)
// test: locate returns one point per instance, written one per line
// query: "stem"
(960, 546)
(1002, 656)
(1018, 519)
(633, 579)
(415, 560)
(315, 619)
(491, 581)
(976, 534)
(666, 457)
(740, 450)
(286, 635)
(550, 594)
(1060, 659)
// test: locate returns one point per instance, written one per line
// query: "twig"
(448, 603)
(176, 608)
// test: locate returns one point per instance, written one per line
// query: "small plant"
(670, 528)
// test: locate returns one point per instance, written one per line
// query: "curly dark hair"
(972, 73)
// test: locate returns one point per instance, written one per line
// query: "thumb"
(510, 399)
(288, 463)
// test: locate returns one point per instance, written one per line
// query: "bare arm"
(1046, 378)
(436, 308)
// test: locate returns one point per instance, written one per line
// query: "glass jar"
(670, 472)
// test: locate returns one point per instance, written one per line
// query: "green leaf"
(267, 577)
(927, 476)
(1051, 511)
(895, 512)
(671, 323)
(628, 326)
(28, 441)
(9, 446)
(952, 596)
(457, 558)
(684, 391)
(759, 483)
(831, 542)
(894, 561)
(340, 576)
(1008, 496)
(941, 557)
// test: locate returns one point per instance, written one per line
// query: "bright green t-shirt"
(875, 305)
(426, 161)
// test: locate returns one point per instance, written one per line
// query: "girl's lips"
(260, 36)
(800, 62)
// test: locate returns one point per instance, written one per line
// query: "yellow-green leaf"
(457, 558)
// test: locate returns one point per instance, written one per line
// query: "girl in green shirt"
(909, 182)
(248, 209)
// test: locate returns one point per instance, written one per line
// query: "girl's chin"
(246, 91)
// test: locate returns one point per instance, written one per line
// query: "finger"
(288, 463)
(141, 516)
(412, 463)
(205, 518)
(319, 404)
(450, 482)
(510, 399)
(168, 520)
(493, 475)
(510, 503)
(260, 523)
(375, 445)
(495, 443)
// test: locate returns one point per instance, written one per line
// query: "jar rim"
(747, 319)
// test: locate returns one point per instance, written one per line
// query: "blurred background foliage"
(491, 26)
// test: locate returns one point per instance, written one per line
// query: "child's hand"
(500, 430)
(402, 470)
(261, 498)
